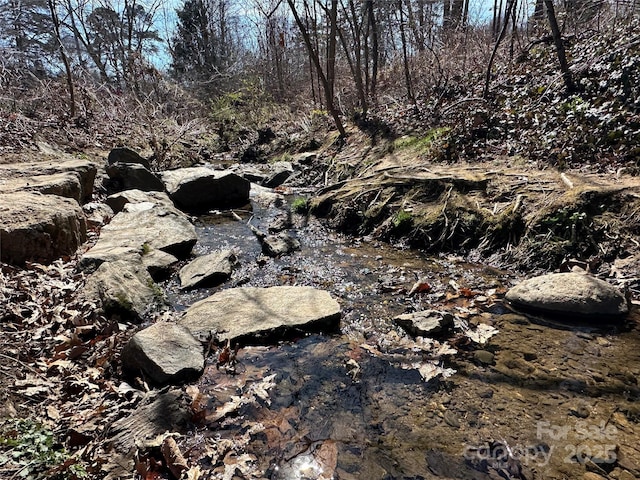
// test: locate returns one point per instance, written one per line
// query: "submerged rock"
(570, 294)
(279, 244)
(262, 312)
(41, 228)
(425, 323)
(165, 352)
(208, 270)
(202, 188)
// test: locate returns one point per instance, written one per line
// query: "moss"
(403, 220)
(421, 145)
(300, 205)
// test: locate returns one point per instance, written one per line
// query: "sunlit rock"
(144, 227)
(260, 314)
(65, 176)
(569, 294)
(208, 270)
(165, 352)
(41, 228)
(117, 201)
(124, 288)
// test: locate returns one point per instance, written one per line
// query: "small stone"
(580, 411)
(486, 393)
(208, 270)
(484, 357)
(425, 323)
(279, 244)
(451, 419)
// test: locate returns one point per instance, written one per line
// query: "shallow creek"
(538, 400)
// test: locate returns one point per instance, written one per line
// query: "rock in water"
(208, 270)
(165, 352)
(425, 323)
(202, 188)
(279, 244)
(572, 294)
(262, 312)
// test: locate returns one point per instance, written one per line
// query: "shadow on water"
(337, 407)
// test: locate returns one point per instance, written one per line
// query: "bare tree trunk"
(503, 31)
(328, 89)
(375, 52)
(405, 56)
(65, 59)
(557, 39)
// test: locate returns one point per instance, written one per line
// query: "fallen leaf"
(176, 463)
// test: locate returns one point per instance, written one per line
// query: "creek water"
(538, 400)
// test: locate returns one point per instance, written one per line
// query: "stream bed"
(537, 400)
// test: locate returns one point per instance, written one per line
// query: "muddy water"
(539, 400)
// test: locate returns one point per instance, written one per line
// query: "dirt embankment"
(506, 211)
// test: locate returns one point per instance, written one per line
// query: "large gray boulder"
(64, 176)
(570, 294)
(117, 201)
(42, 228)
(123, 287)
(256, 314)
(165, 352)
(144, 227)
(126, 155)
(208, 270)
(128, 176)
(203, 188)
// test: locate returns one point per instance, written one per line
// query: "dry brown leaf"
(176, 463)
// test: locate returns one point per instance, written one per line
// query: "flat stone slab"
(571, 294)
(65, 176)
(117, 201)
(165, 352)
(208, 270)
(144, 227)
(41, 228)
(258, 313)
